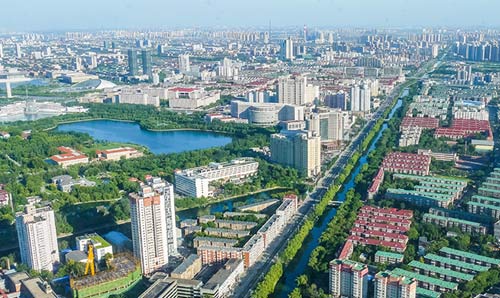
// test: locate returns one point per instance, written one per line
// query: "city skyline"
(57, 15)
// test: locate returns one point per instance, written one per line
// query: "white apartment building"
(195, 182)
(184, 65)
(101, 246)
(296, 91)
(190, 98)
(36, 231)
(348, 279)
(166, 190)
(149, 229)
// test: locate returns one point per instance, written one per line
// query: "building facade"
(298, 149)
(36, 231)
(149, 229)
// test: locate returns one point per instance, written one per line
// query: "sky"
(41, 15)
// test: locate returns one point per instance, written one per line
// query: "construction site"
(123, 274)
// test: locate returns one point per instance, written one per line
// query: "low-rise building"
(195, 182)
(466, 226)
(388, 257)
(218, 254)
(222, 283)
(253, 249)
(188, 268)
(101, 246)
(69, 157)
(66, 183)
(191, 98)
(118, 153)
(213, 241)
(407, 163)
(227, 233)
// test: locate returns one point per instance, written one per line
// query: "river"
(288, 282)
(157, 141)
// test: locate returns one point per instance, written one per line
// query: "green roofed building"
(439, 272)
(424, 293)
(450, 222)
(455, 265)
(431, 283)
(469, 257)
(388, 257)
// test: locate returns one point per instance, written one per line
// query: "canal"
(288, 282)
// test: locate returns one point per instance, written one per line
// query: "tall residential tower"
(36, 232)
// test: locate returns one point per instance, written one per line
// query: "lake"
(157, 141)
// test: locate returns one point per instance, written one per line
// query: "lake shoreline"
(138, 123)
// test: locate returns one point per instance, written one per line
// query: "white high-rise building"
(296, 91)
(361, 98)
(354, 95)
(228, 69)
(19, 53)
(287, 49)
(364, 98)
(1, 51)
(184, 65)
(330, 37)
(36, 231)
(149, 229)
(166, 190)
(328, 124)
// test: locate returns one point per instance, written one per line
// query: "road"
(254, 274)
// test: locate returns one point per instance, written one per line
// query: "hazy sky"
(105, 14)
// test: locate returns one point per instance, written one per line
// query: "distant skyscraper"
(149, 228)
(354, 98)
(364, 97)
(132, 62)
(266, 37)
(184, 65)
(78, 63)
(1, 51)
(298, 149)
(330, 38)
(287, 49)
(93, 61)
(348, 279)
(389, 285)
(19, 53)
(146, 63)
(36, 232)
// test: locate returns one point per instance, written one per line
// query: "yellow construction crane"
(90, 259)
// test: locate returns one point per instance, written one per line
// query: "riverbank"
(280, 269)
(235, 197)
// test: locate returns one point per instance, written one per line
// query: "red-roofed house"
(377, 181)
(69, 157)
(423, 122)
(462, 128)
(407, 163)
